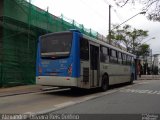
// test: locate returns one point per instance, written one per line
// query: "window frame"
(113, 59)
(85, 52)
(104, 56)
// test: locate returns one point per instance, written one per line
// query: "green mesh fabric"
(21, 23)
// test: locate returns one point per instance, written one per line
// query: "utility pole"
(109, 31)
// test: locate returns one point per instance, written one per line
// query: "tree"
(128, 37)
(152, 7)
(121, 36)
(143, 50)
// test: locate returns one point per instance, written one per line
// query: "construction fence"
(21, 23)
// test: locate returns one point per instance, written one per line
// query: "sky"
(94, 14)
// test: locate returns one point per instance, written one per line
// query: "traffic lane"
(36, 102)
(127, 100)
(30, 102)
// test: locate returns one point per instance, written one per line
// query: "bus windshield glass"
(56, 45)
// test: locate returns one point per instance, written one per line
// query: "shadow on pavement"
(82, 92)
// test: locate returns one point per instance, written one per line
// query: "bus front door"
(94, 66)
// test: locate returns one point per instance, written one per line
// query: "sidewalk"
(20, 90)
(149, 77)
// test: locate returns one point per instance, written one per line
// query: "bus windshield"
(56, 45)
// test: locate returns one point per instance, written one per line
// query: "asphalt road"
(136, 99)
(41, 102)
(141, 98)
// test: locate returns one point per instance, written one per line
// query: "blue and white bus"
(72, 59)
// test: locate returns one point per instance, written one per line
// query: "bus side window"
(113, 56)
(104, 54)
(132, 60)
(124, 59)
(84, 49)
(119, 57)
(129, 60)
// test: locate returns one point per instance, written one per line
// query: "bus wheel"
(132, 78)
(105, 83)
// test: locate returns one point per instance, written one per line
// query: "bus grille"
(85, 74)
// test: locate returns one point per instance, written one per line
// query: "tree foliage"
(152, 7)
(129, 37)
(143, 50)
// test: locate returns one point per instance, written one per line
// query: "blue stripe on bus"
(76, 55)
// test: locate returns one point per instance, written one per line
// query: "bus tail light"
(70, 70)
(40, 69)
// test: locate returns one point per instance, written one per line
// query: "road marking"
(64, 104)
(143, 83)
(88, 98)
(151, 92)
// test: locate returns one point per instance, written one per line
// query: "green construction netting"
(21, 23)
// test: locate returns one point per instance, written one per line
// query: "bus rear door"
(94, 65)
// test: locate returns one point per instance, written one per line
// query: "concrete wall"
(24, 12)
(1, 7)
(33, 15)
(1, 33)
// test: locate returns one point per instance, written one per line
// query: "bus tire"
(105, 83)
(132, 78)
